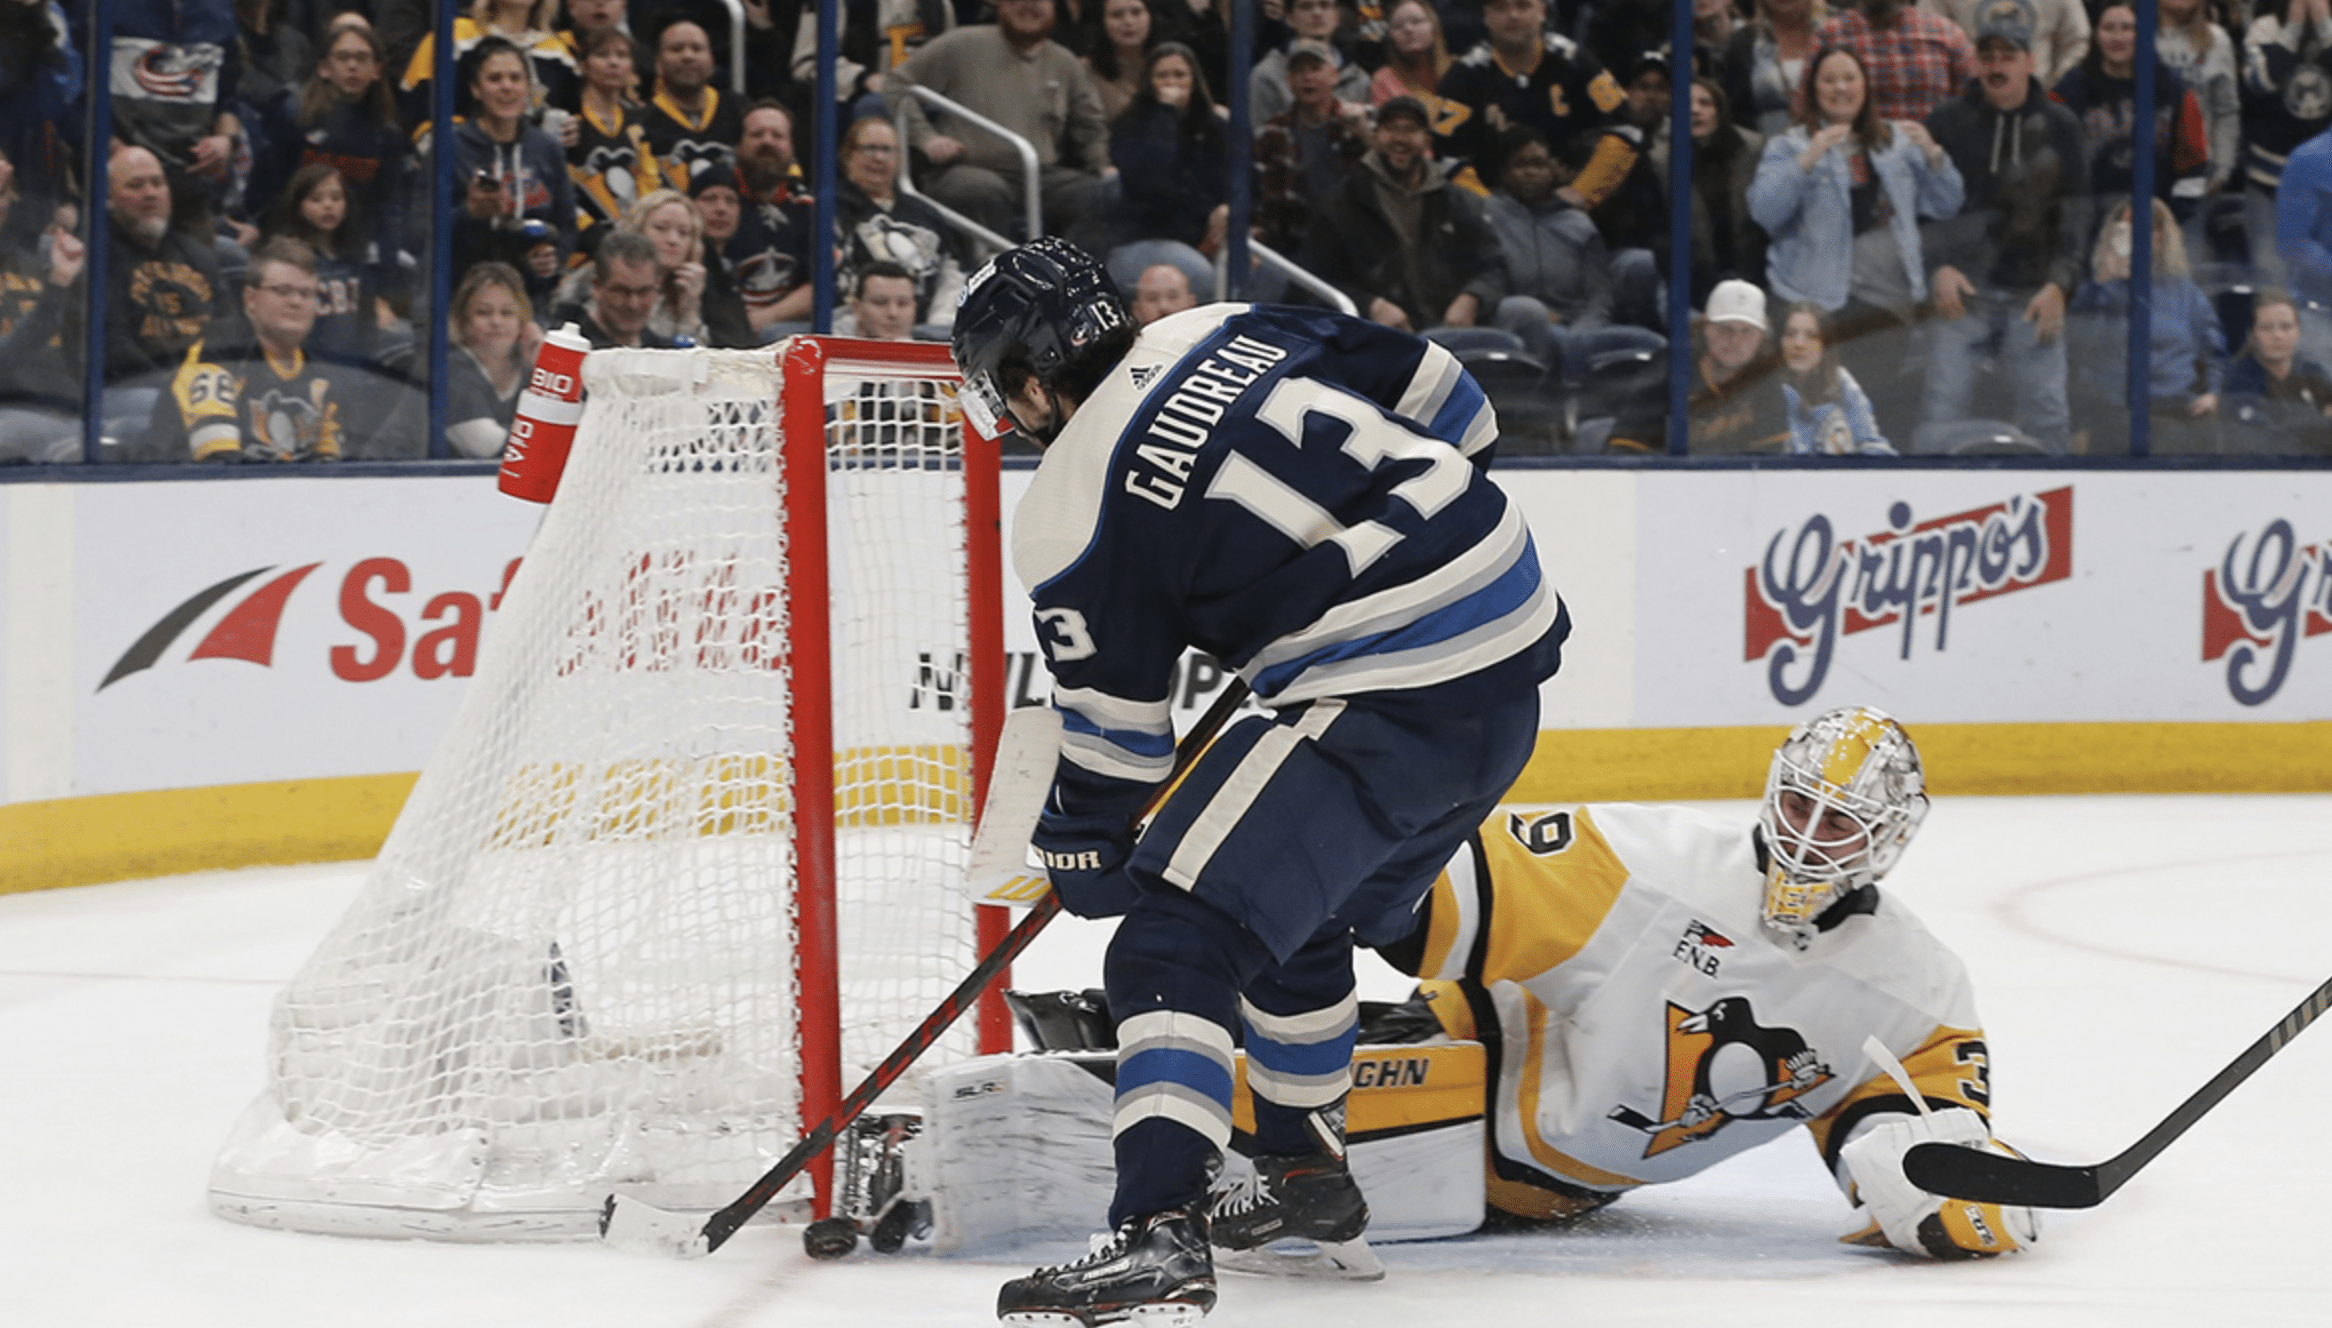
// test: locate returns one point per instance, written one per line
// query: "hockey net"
(736, 700)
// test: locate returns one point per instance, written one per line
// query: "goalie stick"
(637, 1225)
(1019, 781)
(1986, 1177)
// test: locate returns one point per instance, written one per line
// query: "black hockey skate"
(1155, 1272)
(1312, 1198)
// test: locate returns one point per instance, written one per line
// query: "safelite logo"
(1813, 587)
(444, 641)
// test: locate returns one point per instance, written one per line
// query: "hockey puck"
(830, 1238)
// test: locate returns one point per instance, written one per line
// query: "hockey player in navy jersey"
(1302, 496)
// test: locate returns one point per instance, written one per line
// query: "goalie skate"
(1152, 1272)
(1310, 1199)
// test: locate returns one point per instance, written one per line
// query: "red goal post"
(691, 857)
(808, 362)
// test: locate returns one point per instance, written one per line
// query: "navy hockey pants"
(1289, 837)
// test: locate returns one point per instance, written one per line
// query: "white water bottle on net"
(690, 859)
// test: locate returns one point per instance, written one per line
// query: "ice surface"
(2123, 950)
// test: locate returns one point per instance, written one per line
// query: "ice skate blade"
(1328, 1261)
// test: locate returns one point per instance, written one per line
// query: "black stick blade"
(1988, 1177)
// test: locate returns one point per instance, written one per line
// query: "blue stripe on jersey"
(1306, 1058)
(1194, 1070)
(1141, 744)
(1513, 589)
(1458, 410)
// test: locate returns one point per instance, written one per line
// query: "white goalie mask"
(1842, 799)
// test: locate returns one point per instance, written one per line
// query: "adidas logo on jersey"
(1143, 375)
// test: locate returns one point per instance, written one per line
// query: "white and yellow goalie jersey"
(1641, 1022)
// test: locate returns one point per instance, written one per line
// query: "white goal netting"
(575, 966)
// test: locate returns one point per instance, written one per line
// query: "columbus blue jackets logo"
(166, 71)
(1724, 1066)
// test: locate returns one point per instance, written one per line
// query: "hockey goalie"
(1612, 996)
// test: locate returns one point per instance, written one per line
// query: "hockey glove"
(1085, 857)
(1911, 1219)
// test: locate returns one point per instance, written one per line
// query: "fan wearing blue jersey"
(1302, 496)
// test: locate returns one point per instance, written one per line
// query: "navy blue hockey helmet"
(1048, 309)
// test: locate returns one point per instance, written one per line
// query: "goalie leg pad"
(1015, 1150)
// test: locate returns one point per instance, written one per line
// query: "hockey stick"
(1636, 1120)
(637, 1225)
(1987, 1177)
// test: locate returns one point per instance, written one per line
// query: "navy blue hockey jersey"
(1297, 493)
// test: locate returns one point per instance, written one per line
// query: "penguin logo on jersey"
(1724, 1066)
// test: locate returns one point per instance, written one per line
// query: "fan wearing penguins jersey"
(1301, 495)
(261, 398)
(1660, 989)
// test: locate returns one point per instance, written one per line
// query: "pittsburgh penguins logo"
(911, 247)
(1724, 1066)
(615, 166)
(170, 302)
(288, 424)
(2309, 94)
(699, 155)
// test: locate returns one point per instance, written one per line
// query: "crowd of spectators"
(1900, 212)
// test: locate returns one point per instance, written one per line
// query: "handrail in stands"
(1031, 200)
(737, 46)
(1302, 277)
(948, 214)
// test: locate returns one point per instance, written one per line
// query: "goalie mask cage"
(691, 856)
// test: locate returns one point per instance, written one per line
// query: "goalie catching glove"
(1911, 1219)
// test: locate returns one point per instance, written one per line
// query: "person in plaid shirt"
(1306, 150)
(1917, 60)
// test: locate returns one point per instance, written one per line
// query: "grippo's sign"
(1814, 586)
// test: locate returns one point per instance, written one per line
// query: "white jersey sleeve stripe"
(1116, 712)
(1481, 431)
(1429, 388)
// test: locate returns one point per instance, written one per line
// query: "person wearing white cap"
(1727, 413)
